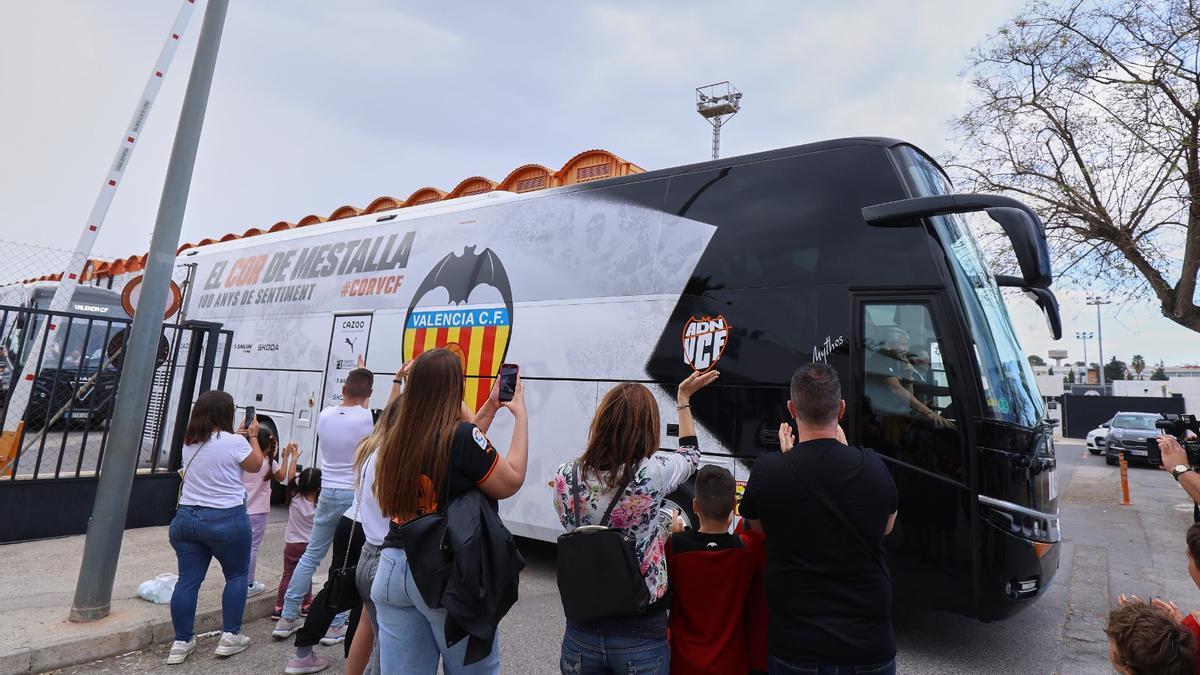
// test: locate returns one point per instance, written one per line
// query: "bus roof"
(585, 170)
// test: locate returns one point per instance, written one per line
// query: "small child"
(1145, 638)
(258, 497)
(710, 572)
(302, 506)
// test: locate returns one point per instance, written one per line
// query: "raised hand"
(695, 382)
(786, 438)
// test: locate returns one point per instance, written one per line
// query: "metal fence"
(74, 387)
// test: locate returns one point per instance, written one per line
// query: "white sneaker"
(335, 635)
(180, 651)
(232, 643)
(255, 588)
(284, 628)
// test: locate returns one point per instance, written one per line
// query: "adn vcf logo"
(464, 303)
(704, 341)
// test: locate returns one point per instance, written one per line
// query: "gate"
(48, 478)
(1081, 414)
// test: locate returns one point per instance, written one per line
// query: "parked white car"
(1097, 438)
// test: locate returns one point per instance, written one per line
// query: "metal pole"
(1100, 344)
(102, 548)
(716, 148)
(1097, 301)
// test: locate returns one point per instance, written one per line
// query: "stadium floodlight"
(717, 103)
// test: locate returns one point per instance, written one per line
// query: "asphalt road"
(1107, 549)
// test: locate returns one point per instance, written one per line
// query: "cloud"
(315, 105)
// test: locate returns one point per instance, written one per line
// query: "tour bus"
(852, 252)
(68, 362)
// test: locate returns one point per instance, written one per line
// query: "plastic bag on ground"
(159, 589)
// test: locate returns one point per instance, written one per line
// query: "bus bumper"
(1015, 572)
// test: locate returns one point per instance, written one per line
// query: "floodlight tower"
(717, 103)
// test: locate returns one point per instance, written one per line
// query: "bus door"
(347, 350)
(905, 402)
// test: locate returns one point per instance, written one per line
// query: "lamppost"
(1097, 301)
(1085, 336)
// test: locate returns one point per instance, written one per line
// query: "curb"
(134, 638)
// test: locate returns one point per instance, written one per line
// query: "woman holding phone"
(428, 456)
(211, 521)
(623, 466)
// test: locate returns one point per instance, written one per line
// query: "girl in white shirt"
(258, 495)
(211, 521)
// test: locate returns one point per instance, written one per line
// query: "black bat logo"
(461, 274)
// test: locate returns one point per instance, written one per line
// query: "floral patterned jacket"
(638, 511)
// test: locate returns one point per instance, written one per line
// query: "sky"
(319, 104)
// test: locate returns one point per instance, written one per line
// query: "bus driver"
(890, 378)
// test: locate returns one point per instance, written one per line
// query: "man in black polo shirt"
(829, 594)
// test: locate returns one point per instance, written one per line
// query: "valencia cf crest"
(465, 302)
(704, 341)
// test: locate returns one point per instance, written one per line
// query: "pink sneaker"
(312, 663)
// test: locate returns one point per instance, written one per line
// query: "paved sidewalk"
(39, 584)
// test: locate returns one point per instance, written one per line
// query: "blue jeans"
(332, 503)
(411, 635)
(782, 667)
(589, 653)
(198, 534)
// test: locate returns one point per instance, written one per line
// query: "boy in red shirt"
(711, 572)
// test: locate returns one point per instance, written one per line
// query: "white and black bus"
(851, 251)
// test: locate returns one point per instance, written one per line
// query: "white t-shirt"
(340, 429)
(374, 525)
(212, 475)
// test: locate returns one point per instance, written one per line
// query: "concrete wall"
(1050, 385)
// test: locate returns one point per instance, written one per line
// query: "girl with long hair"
(427, 457)
(258, 495)
(211, 521)
(623, 462)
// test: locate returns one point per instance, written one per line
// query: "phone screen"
(249, 417)
(508, 381)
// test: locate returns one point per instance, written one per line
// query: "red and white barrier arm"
(19, 397)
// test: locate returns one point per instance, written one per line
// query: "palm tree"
(1139, 364)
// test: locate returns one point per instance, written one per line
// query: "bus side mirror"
(1024, 230)
(1028, 242)
(1044, 298)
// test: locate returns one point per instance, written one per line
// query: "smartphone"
(508, 381)
(249, 417)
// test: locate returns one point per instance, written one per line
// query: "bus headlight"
(1020, 521)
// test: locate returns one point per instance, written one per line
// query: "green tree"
(1159, 375)
(1138, 364)
(1090, 111)
(1035, 360)
(1114, 370)
(1070, 377)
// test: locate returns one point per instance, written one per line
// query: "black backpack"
(598, 572)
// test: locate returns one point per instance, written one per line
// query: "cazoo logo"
(704, 341)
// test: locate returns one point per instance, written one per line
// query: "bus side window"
(908, 411)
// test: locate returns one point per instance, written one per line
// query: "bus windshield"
(1009, 387)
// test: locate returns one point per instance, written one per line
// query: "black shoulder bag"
(832, 506)
(341, 591)
(598, 572)
(427, 547)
